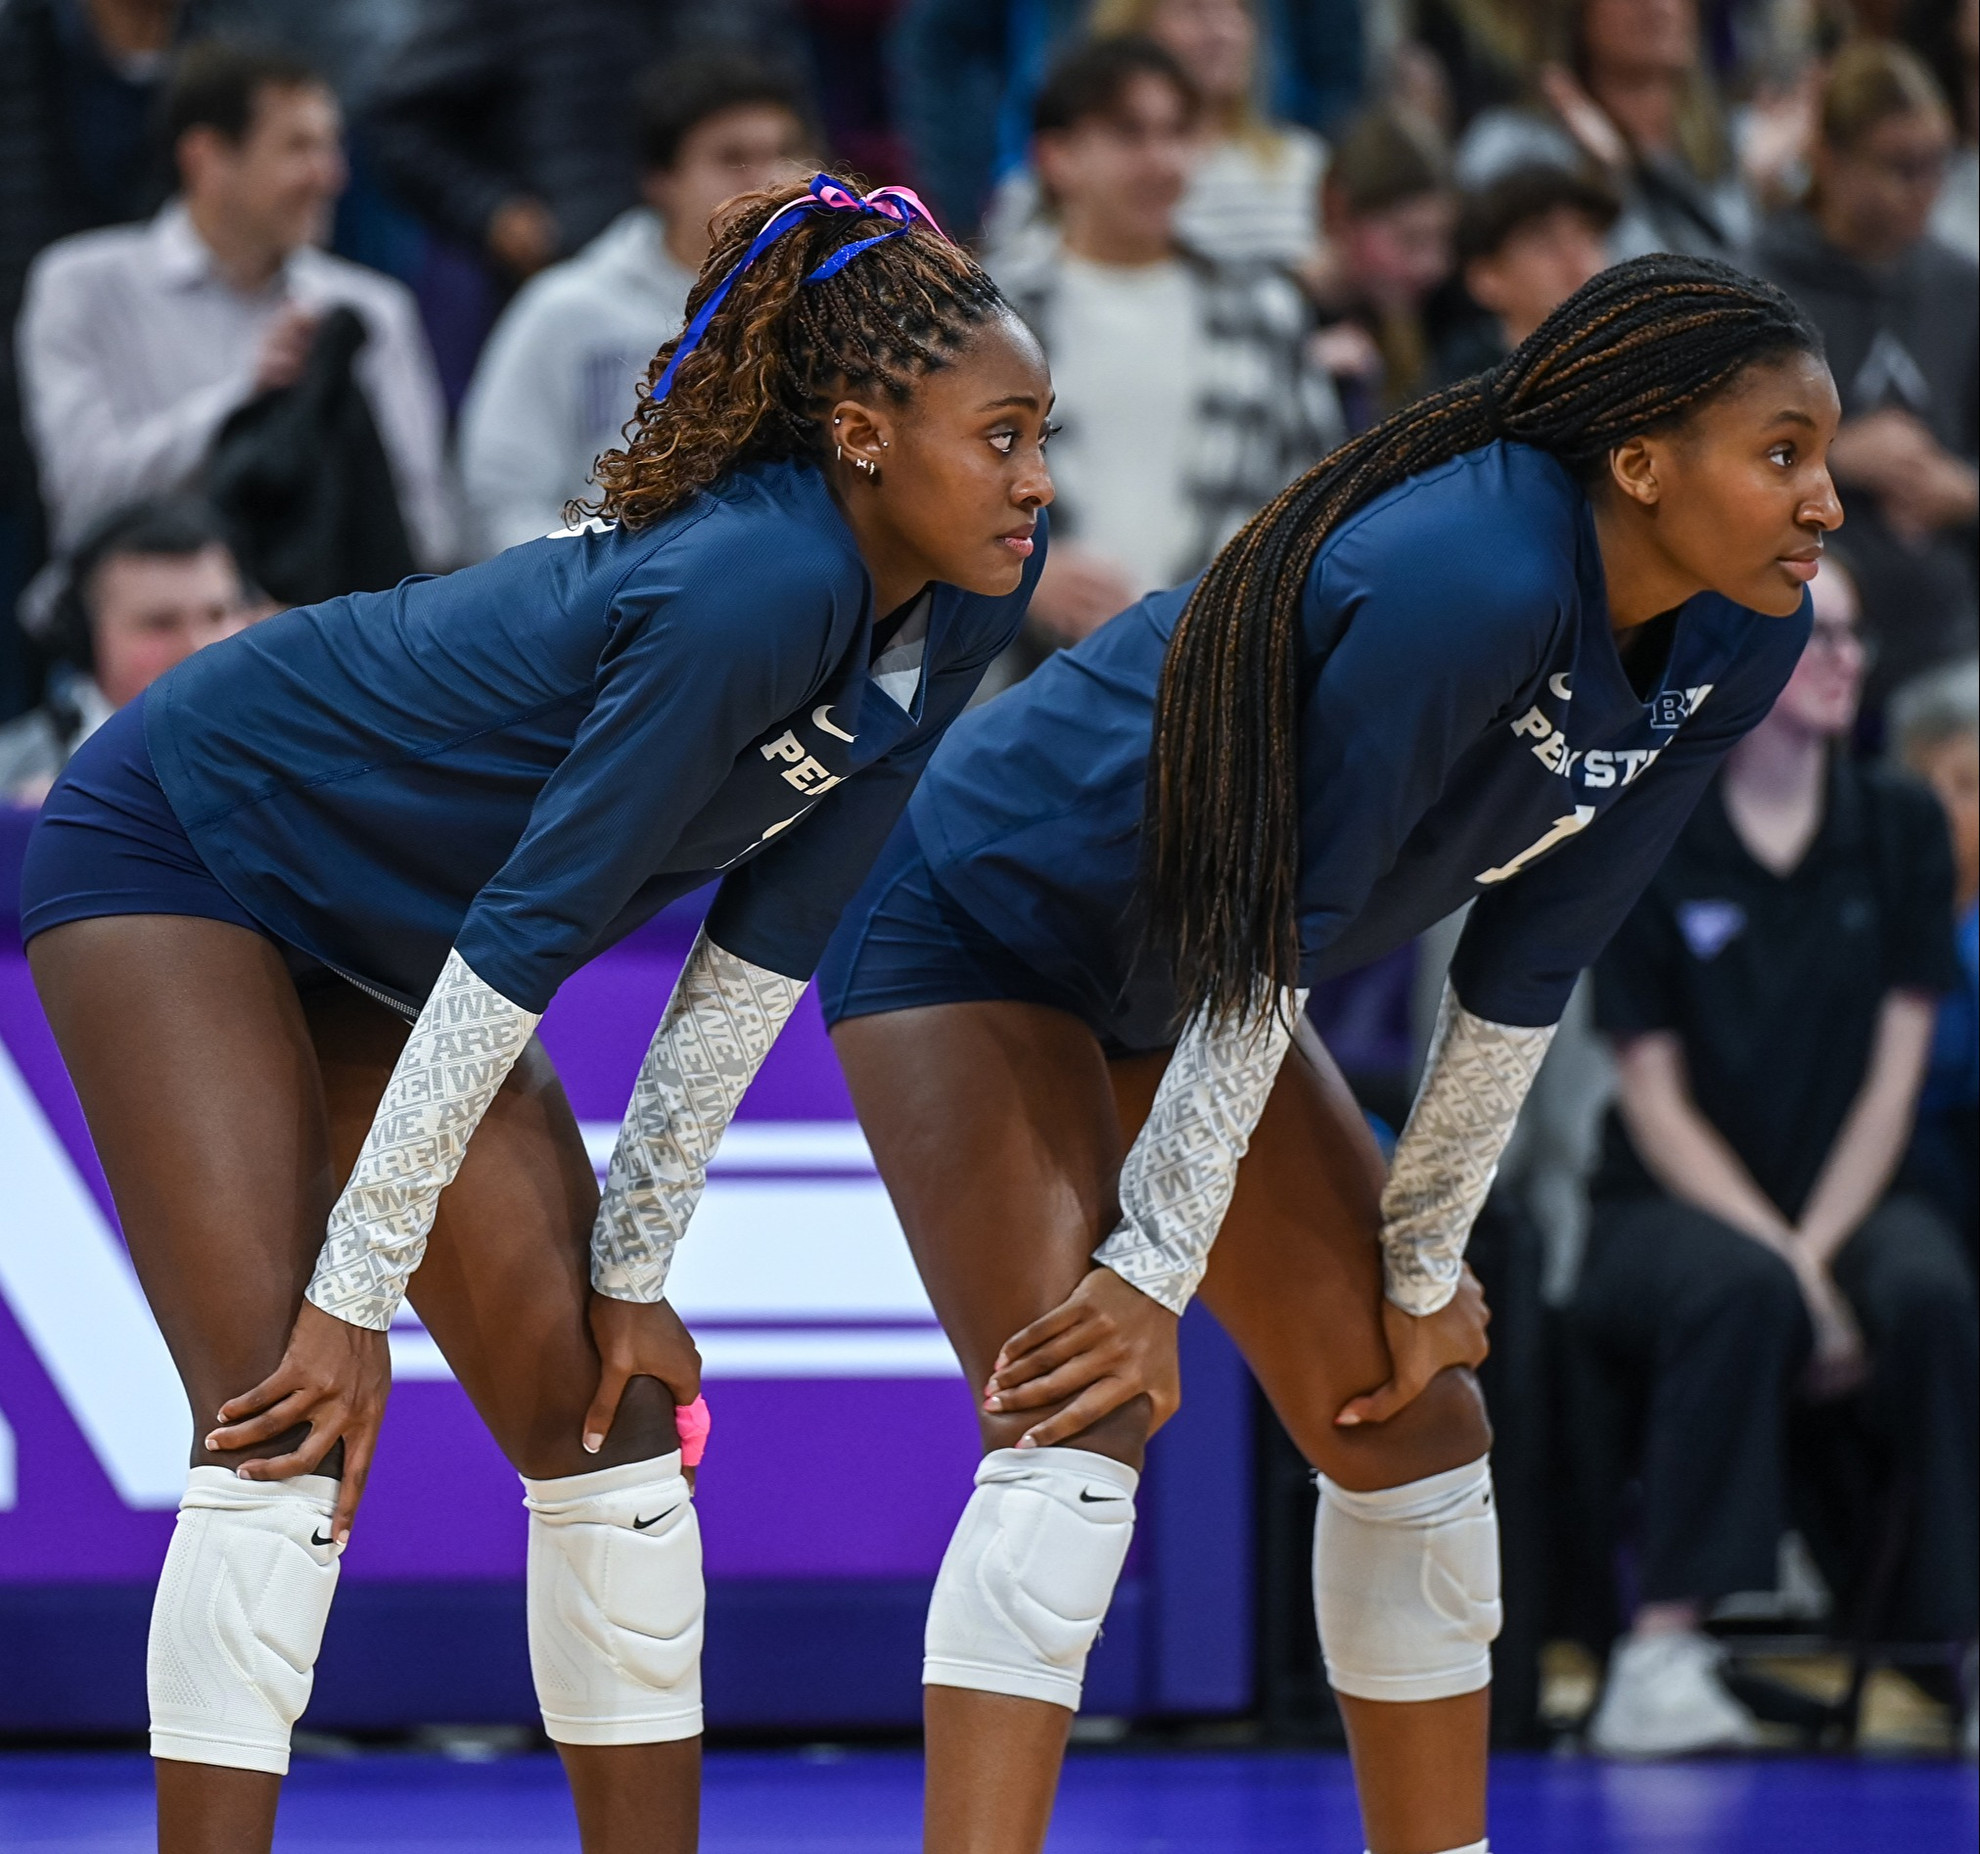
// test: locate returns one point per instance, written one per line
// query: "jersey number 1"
(1562, 830)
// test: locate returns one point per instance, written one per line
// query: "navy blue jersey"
(1467, 733)
(529, 757)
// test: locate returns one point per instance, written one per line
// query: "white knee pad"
(1029, 1573)
(615, 1604)
(1406, 1586)
(238, 1618)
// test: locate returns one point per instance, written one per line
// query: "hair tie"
(900, 204)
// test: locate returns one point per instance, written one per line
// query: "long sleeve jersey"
(524, 760)
(1467, 732)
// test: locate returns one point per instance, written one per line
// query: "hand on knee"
(1406, 1586)
(239, 1617)
(1029, 1573)
(615, 1604)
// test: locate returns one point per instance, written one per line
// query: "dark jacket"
(304, 483)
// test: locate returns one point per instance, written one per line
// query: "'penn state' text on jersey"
(529, 757)
(1467, 732)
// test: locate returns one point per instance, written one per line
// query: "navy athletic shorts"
(108, 842)
(905, 942)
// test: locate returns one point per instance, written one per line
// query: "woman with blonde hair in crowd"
(1629, 95)
(1254, 195)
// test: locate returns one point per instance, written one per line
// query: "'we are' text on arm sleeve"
(682, 692)
(713, 1037)
(461, 1049)
(1177, 1180)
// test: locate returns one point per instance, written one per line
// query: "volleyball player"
(1489, 651)
(825, 523)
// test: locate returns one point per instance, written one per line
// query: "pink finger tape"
(691, 1422)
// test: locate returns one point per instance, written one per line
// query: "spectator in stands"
(138, 343)
(1632, 99)
(1934, 726)
(1482, 54)
(557, 379)
(1254, 189)
(1771, 1000)
(1898, 311)
(1946, 34)
(1525, 244)
(1390, 214)
(78, 87)
(148, 585)
(508, 124)
(966, 75)
(1956, 218)
(1183, 396)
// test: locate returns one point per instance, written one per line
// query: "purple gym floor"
(828, 1802)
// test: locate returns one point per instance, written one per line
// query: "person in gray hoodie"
(1897, 309)
(558, 377)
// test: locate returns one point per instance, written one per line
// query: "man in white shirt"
(1184, 394)
(136, 343)
(558, 378)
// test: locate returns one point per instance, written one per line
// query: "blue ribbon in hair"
(900, 204)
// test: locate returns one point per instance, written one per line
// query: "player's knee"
(239, 1618)
(1029, 1574)
(1406, 1586)
(615, 1604)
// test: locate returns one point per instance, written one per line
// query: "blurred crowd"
(301, 299)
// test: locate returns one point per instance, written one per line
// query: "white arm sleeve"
(1474, 1084)
(462, 1047)
(718, 1027)
(1177, 1181)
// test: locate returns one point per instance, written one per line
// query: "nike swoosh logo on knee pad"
(640, 1525)
(316, 1538)
(1094, 1499)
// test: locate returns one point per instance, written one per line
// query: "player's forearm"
(1682, 1150)
(462, 1047)
(1475, 1081)
(719, 1025)
(1867, 1151)
(1177, 1180)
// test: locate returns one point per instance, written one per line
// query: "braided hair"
(779, 350)
(1639, 348)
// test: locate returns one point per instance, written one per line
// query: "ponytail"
(780, 323)
(1639, 347)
